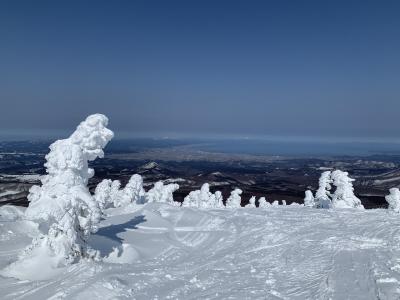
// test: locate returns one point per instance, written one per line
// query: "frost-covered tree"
(162, 193)
(263, 203)
(102, 194)
(234, 199)
(252, 202)
(394, 200)
(135, 188)
(323, 195)
(133, 192)
(219, 200)
(207, 199)
(63, 204)
(114, 192)
(309, 200)
(108, 192)
(344, 194)
(203, 198)
(198, 198)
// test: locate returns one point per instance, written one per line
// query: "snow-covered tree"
(344, 195)
(252, 202)
(323, 195)
(102, 194)
(203, 198)
(133, 192)
(263, 203)
(114, 192)
(108, 192)
(207, 199)
(394, 200)
(198, 198)
(275, 203)
(219, 200)
(234, 199)
(135, 188)
(162, 193)
(63, 203)
(309, 200)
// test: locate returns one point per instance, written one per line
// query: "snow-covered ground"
(166, 252)
(23, 177)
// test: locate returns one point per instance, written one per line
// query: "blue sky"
(198, 68)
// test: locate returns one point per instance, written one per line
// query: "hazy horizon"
(50, 134)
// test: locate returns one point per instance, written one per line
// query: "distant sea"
(300, 148)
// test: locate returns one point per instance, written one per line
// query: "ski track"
(249, 253)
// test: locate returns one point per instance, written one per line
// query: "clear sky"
(309, 68)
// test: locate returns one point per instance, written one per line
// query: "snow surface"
(162, 251)
(23, 177)
(8, 192)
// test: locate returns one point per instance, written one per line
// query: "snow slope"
(167, 252)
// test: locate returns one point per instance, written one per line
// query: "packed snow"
(167, 252)
(126, 243)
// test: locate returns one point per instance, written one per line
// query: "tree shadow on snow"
(106, 238)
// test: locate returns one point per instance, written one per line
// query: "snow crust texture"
(167, 252)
